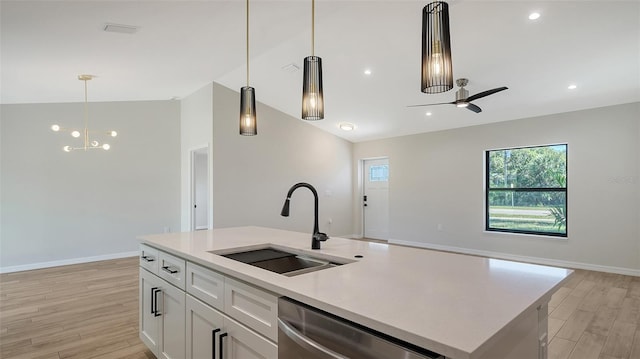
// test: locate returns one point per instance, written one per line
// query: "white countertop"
(452, 304)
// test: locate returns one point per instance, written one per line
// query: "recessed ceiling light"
(572, 87)
(346, 126)
(367, 72)
(534, 16)
(428, 113)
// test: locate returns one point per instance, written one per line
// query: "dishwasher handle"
(307, 343)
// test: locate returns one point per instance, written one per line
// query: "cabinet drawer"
(254, 307)
(171, 269)
(206, 285)
(149, 258)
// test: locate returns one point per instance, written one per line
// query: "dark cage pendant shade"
(312, 98)
(248, 118)
(437, 70)
(248, 125)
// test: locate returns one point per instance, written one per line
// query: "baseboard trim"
(64, 262)
(519, 258)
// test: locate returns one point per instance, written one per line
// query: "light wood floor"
(91, 311)
(78, 311)
(596, 316)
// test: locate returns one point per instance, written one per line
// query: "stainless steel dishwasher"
(308, 333)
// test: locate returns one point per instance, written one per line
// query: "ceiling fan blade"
(433, 104)
(474, 108)
(485, 93)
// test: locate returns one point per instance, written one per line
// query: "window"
(526, 190)
(379, 173)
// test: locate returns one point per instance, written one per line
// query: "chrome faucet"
(317, 236)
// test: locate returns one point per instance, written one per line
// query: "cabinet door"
(149, 322)
(203, 323)
(172, 330)
(243, 343)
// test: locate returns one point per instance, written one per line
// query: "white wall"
(251, 175)
(196, 131)
(60, 208)
(437, 178)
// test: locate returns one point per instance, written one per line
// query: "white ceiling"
(183, 45)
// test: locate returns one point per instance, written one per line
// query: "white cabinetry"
(218, 317)
(212, 334)
(162, 311)
(252, 306)
(204, 324)
(149, 323)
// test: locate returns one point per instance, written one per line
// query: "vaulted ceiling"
(182, 45)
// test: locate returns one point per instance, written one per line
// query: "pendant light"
(312, 99)
(88, 143)
(437, 71)
(248, 120)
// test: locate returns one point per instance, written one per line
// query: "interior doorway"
(375, 198)
(200, 189)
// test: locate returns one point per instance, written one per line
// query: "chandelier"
(89, 140)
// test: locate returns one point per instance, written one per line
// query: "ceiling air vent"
(290, 68)
(122, 29)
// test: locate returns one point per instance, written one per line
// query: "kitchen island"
(463, 307)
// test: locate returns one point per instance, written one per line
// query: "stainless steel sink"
(279, 261)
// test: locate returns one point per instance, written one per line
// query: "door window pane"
(379, 173)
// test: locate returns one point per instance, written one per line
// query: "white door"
(375, 199)
(171, 307)
(149, 322)
(203, 325)
(200, 189)
(242, 343)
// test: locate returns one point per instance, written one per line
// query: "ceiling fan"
(463, 99)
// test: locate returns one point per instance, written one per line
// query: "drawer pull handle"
(155, 311)
(213, 343)
(153, 300)
(221, 342)
(169, 270)
(148, 258)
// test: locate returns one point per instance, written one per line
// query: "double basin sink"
(281, 261)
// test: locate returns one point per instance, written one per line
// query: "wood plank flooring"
(79, 311)
(595, 316)
(91, 311)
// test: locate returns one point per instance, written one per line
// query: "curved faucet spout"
(317, 236)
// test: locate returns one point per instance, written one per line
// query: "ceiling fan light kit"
(437, 69)
(463, 99)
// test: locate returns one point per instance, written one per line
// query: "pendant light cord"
(247, 43)
(313, 26)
